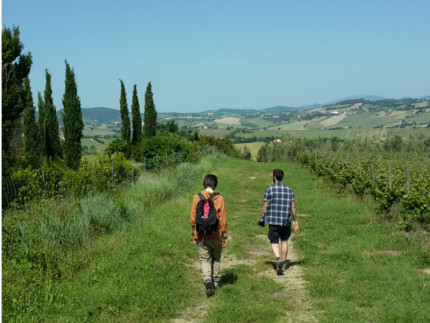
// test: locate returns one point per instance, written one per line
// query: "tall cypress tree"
(50, 123)
(15, 69)
(41, 124)
(150, 116)
(137, 119)
(125, 118)
(72, 121)
(30, 128)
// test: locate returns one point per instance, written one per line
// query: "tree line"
(41, 138)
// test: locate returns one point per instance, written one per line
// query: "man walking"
(213, 239)
(278, 209)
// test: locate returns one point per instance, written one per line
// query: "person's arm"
(294, 213)
(193, 219)
(266, 204)
(222, 221)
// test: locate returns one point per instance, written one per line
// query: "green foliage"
(72, 121)
(30, 127)
(117, 146)
(50, 123)
(137, 119)
(161, 150)
(15, 70)
(222, 145)
(29, 186)
(51, 246)
(150, 114)
(125, 118)
(168, 127)
(41, 124)
(247, 153)
(359, 165)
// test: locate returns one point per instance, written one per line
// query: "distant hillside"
(228, 111)
(97, 115)
(101, 115)
(367, 97)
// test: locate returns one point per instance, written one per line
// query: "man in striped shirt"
(278, 209)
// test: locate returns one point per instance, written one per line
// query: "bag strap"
(201, 197)
(212, 196)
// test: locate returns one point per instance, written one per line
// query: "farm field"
(252, 146)
(347, 262)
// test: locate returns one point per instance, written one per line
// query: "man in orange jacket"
(210, 245)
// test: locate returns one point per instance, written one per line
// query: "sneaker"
(285, 265)
(216, 285)
(209, 288)
(279, 264)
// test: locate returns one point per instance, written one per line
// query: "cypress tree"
(41, 124)
(30, 128)
(137, 119)
(50, 123)
(16, 67)
(72, 121)
(125, 118)
(150, 116)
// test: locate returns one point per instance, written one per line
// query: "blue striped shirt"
(279, 198)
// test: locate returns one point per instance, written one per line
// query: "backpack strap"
(201, 196)
(212, 196)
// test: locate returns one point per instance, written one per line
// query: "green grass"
(252, 146)
(369, 120)
(99, 147)
(359, 267)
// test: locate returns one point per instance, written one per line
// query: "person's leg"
(274, 240)
(284, 250)
(205, 261)
(275, 250)
(216, 262)
(285, 235)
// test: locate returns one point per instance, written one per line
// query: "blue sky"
(236, 54)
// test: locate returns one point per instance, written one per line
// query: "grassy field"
(252, 146)
(347, 262)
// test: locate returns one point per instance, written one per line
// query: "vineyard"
(389, 178)
(395, 174)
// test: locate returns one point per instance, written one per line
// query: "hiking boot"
(209, 288)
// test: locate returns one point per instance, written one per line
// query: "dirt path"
(294, 285)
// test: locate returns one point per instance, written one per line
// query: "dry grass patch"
(393, 253)
(235, 121)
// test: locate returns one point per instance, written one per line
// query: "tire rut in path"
(294, 285)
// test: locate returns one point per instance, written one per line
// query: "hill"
(98, 115)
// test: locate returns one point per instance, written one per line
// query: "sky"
(236, 54)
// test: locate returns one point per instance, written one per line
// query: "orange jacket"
(220, 213)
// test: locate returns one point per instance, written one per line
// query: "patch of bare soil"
(382, 252)
(426, 271)
(294, 287)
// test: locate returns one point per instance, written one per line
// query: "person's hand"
(194, 240)
(295, 225)
(224, 242)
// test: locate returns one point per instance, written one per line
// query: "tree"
(30, 128)
(125, 118)
(15, 69)
(137, 119)
(72, 121)
(41, 124)
(150, 116)
(50, 123)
